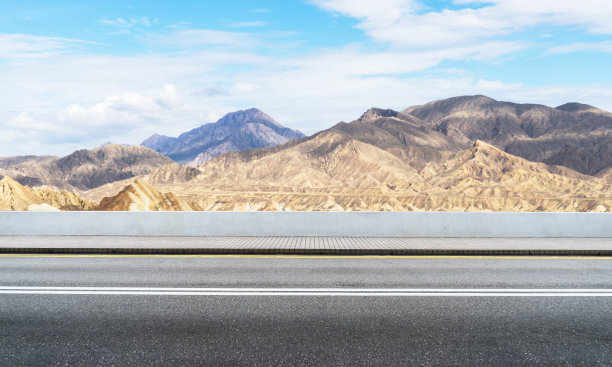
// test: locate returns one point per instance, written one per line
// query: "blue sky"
(76, 74)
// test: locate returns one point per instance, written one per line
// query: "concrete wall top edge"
(352, 224)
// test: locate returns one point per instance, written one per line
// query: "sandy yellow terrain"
(14, 196)
(357, 176)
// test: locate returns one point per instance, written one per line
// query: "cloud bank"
(64, 96)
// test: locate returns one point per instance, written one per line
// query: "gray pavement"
(306, 245)
(240, 330)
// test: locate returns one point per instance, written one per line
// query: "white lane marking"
(313, 294)
(191, 289)
(350, 292)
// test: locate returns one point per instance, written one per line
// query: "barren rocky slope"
(333, 172)
(235, 131)
(14, 196)
(141, 196)
(485, 171)
(6, 162)
(606, 175)
(386, 160)
(574, 135)
(87, 169)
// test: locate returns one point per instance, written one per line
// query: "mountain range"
(461, 153)
(574, 135)
(84, 169)
(334, 172)
(241, 130)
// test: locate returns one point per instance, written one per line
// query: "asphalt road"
(65, 327)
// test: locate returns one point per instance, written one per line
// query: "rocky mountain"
(375, 113)
(6, 162)
(14, 196)
(87, 169)
(591, 160)
(141, 196)
(235, 131)
(109, 189)
(403, 139)
(481, 177)
(606, 175)
(327, 160)
(575, 135)
(484, 170)
(582, 108)
(363, 153)
(173, 173)
(385, 161)
(462, 153)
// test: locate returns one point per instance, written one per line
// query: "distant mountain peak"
(375, 113)
(248, 111)
(444, 107)
(141, 196)
(110, 146)
(463, 102)
(576, 107)
(235, 131)
(477, 99)
(157, 140)
(251, 115)
(480, 146)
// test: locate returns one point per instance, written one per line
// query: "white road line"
(191, 289)
(347, 292)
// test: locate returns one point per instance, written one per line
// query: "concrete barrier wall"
(352, 224)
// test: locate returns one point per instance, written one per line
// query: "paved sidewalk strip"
(306, 245)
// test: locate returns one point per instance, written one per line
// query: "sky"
(77, 74)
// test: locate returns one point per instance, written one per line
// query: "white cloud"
(61, 100)
(129, 22)
(32, 46)
(388, 11)
(604, 47)
(358, 61)
(255, 23)
(596, 95)
(404, 23)
(497, 85)
(83, 101)
(203, 37)
(130, 117)
(213, 90)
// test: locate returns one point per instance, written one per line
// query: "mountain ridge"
(334, 172)
(14, 196)
(532, 131)
(462, 153)
(240, 130)
(141, 196)
(86, 169)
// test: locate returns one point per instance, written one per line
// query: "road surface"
(292, 311)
